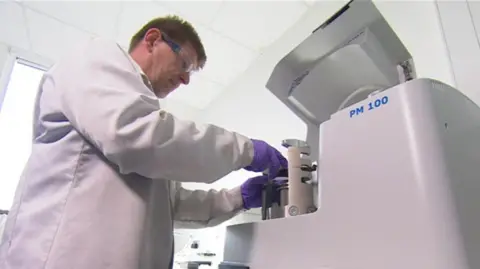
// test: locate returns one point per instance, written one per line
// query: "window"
(16, 115)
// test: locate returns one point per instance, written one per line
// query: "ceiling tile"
(98, 17)
(195, 11)
(257, 24)
(311, 2)
(136, 14)
(13, 29)
(51, 38)
(226, 59)
(199, 93)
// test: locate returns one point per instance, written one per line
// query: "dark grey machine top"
(230, 265)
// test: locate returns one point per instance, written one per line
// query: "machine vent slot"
(334, 17)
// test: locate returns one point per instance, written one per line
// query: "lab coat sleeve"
(106, 100)
(200, 209)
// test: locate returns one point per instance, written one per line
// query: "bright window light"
(16, 119)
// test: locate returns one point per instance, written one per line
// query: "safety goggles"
(187, 65)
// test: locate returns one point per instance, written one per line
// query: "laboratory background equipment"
(396, 157)
(195, 250)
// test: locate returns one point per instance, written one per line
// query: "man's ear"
(152, 36)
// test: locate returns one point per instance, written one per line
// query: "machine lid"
(354, 48)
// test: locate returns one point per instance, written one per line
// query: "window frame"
(16, 55)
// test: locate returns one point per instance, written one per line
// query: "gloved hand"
(266, 157)
(252, 191)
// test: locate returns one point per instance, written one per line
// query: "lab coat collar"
(137, 67)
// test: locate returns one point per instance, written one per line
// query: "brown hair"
(176, 28)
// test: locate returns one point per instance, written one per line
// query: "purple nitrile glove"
(252, 191)
(266, 157)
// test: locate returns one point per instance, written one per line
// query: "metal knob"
(302, 145)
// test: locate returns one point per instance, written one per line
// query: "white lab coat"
(102, 186)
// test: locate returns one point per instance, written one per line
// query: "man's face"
(171, 65)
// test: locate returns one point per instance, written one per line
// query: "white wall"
(461, 25)
(181, 110)
(3, 54)
(474, 7)
(417, 23)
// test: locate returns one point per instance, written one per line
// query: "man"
(101, 188)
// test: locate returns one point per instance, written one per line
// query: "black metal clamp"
(268, 192)
(308, 168)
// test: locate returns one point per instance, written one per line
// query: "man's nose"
(185, 78)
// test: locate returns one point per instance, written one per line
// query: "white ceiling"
(234, 33)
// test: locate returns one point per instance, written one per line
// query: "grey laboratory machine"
(397, 158)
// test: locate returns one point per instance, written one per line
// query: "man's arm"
(199, 209)
(106, 100)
